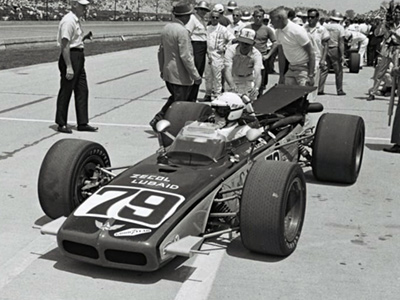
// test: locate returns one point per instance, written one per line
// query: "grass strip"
(21, 57)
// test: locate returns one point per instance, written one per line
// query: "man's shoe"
(321, 93)
(87, 127)
(371, 97)
(207, 98)
(341, 93)
(64, 129)
(394, 149)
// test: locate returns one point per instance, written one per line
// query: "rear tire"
(66, 166)
(181, 112)
(338, 148)
(354, 62)
(273, 207)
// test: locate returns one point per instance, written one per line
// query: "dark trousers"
(264, 77)
(178, 93)
(199, 52)
(395, 139)
(333, 60)
(78, 85)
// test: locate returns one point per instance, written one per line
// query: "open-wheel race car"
(199, 184)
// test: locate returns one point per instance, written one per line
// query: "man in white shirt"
(296, 47)
(357, 40)
(72, 69)
(218, 39)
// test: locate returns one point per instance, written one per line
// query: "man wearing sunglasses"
(218, 37)
(320, 36)
(237, 23)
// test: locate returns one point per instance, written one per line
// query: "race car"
(198, 185)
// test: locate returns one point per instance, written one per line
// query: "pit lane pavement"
(349, 244)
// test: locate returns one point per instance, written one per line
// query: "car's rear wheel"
(354, 62)
(338, 148)
(67, 167)
(272, 207)
(181, 112)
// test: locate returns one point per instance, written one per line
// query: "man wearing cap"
(175, 59)
(232, 5)
(72, 69)
(335, 55)
(294, 44)
(224, 21)
(246, 18)
(243, 64)
(218, 39)
(197, 27)
(264, 34)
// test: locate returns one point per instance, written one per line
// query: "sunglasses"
(236, 15)
(311, 17)
(222, 111)
(216, 18)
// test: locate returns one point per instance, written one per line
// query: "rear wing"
(281, 96)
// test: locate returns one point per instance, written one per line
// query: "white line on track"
(51, 121)
(24, 258)
(198, 285)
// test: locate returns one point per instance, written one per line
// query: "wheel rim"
(294, 210)
(359, 152)
(85, 172)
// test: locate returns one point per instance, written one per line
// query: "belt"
(245, 75)
(76, 49)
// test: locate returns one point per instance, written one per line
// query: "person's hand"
(198, 81)
(162, 75)
(281, 79)
(311, 81)
(88, 36)
(253, 93)
(70, 73)
(233, 88)
(322, 64)
(265, 57)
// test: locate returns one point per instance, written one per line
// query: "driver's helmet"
(229, 106)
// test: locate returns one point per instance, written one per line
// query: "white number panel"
(134, 205)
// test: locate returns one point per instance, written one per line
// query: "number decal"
(134, 205)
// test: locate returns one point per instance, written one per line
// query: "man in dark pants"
(175, 59)
(335, 55)
(197, 27)
(72, 69)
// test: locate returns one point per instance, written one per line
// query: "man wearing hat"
(224, 21)
(243, 64)
(197, 27)
(232, 5)
(335, 54)
(175, 59)
(72, 69)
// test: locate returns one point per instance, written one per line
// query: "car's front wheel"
(272, 207)
(68, 167)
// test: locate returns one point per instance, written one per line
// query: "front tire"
(338, 148)
(273, 207)
(65, 168)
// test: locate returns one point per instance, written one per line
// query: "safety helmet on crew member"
(229, 106)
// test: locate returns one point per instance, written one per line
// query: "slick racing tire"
(338, 148)
(354, 62)
(181, 112)
(65, 168)
(273, 207)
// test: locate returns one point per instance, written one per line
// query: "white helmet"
(229, 106)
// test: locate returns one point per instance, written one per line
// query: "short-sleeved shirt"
(319, 34)
(197, 28)
(235, 28)
(70, 29)
(293, 38)
(242, 65)
(263, 35)
(336, 32)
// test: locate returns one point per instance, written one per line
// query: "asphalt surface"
(350, 239)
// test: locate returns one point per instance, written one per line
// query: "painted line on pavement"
(198, 285)
(24, 258)
(93, 123)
